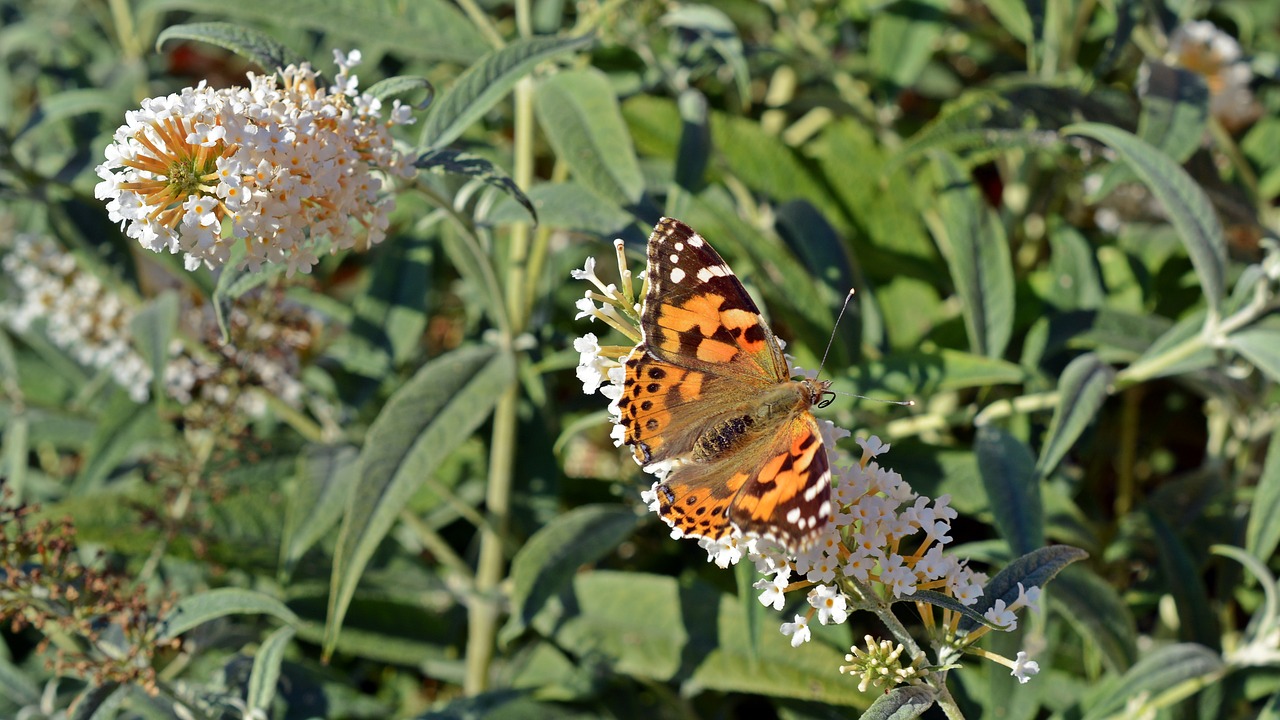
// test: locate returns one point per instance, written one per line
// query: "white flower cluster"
(883, 538)
(1201, 47)
(91, 322)
(280, 166)
(80, 316)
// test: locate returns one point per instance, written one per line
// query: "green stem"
(482, 611)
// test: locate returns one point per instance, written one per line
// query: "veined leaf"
(488, 81)
(1164, 675)
(579, 112)
(1082, 389)
(1013, 488)
(1263, 533)
(246, 42)
(266, 668)
(194, 610)
(549, 560)
(461, 163)
(973, 241)
(1184, 202)
(427, 418)
(1035, 569)
(318, 493)
(388, 88)
(1098, 614)
(901, 703)
(901, 40)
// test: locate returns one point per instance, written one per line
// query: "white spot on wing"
(677, 275)
(793, 515)
(675, 258)
(695, 240)
(679, 247)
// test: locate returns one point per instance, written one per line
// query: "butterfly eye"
(828, 397)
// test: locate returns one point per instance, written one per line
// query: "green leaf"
(194, 610)
(489, 80)
(972, 240)
(1182, 580)
(1263, 532)
(391, 315)
(99, 702)
(1263, 624)
(901, 703)
(388, 88)
(1178, 351)
(947, 602)
(921, 373)
(17, 448)
(153, 326)
(1073, 270)
(1013, 16)
(318, 494)
(1035, 569)
(1175, 109)
(567, 206)
(1260, 345)
(113, 441)
(578, 111)
(1082, 389)
(717, 30)
(1163, 675)
(753, 612)
(427, 29)
(695, 144)
(1013, 488)
(1099, 615)
(266, 668)
(461, 163)
(422, 423)
(1183, 201)
(902, 39)
(550, 559)
(248, 43)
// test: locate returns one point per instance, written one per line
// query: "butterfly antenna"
(832, 339)
(847, 298)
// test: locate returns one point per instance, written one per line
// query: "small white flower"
(1000, 615)
(1024, 668)
(831, 604)
(872, 447)
(798, 631)
(773, 590)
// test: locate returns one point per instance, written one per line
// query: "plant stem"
(482, 610)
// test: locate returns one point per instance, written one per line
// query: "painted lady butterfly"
(708, 398)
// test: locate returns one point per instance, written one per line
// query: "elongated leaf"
(1098, 614)
(753, 612)
(901, 40)
(1267, 617)
(390, 87)
(1035, 569)
(1175, 109)
(417, 429)
(427, 29)
(266, 668)
(1263, 533)
(912, 374)
(319, 493)
(99, 702)
(461, 163)
(153, 326)
(17, 447)
(1082, 389)
(1184, 665)
(488, 81)
(1073, 270)
(1183, 201)
(550, 559)
(1260, 345)
(973, 241)
(1013, 15)
(194, 610)
(901, 703)
(1182, 581)
(579, 112)
(566, 205)
(113, 441)
(948, 602)
(695, 144)
(248, 43)
(1013, 488)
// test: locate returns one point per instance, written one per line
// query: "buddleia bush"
(299, 304)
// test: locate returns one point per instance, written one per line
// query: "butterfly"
(708, 400)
